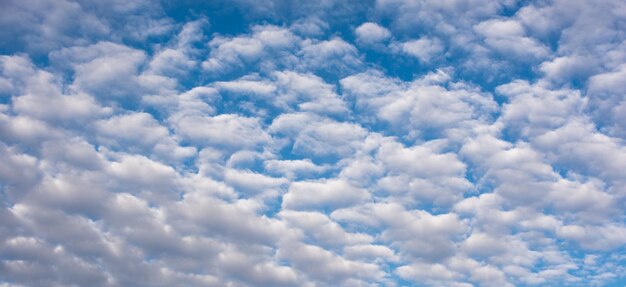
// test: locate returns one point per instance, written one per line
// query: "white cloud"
(508, 39)
(606, 101)
(310, 93)
(293, 168)
(225, 131)
(39, 26)
(428, 107)
(111, 71)
(377, 252)
(323, 230)
(424, 49)
(249, 86)
(228, 54)
(138, 127)
(40, 97)
(382, 143)
(371, 33)
(289, 91)
(328, 267)
(334, 56)
(595, 237)
(179, 59)
(535, 109)
(566, 67)
(418, 234)
(19, 173)
(269, 48)
(320, 136)
(434, 274)
(419, 161)
(250, 182)
(586, 151)
(326, 194)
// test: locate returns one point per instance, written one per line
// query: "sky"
(313, 143)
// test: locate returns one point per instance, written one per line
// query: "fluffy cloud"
(607, 102)
(371, 33)
(328, 194)
(431, 103)
(288, 90)
(509, 40)
(38, 96)
(225, 130)
(266, 41)
(378, 143)
(111, 72)
(424, 49)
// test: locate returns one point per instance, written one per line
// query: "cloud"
(419, 234)
(40, 97)
(139, 127)
(424, 49)
(269, 42)
(329, 267)
(226, 130)
(415, 103)
(40, 27)
(323, 230)
(371, 33)
(293, 168)
(111, 71)
(321, 136)
(334, 56)
(606, 103)
(508, 39)
(179, 59)
(378, 143)
(23, 175)
(325, 194)
(289, 91)
(528, 107)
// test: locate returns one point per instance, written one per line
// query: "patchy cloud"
(379, 143)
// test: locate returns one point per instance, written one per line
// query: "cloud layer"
(337, 143)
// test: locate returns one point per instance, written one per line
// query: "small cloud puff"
(371, 33)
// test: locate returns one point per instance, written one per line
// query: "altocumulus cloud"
(331, 143)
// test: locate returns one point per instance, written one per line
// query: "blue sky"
(332, 143)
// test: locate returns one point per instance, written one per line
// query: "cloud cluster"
(384, 143)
